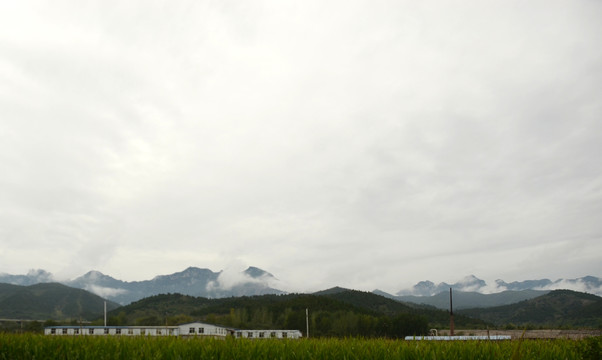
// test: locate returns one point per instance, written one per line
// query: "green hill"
(49, 301)
(333, 312)
(380, 304)
(469, 300)
(559, 308)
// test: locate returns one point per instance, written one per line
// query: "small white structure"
(195, 329)
(452, 338)
(267, 334)
(111, 330)
(202, 329)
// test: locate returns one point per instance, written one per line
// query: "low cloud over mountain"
(192, 281)
(588, 284)
(254, 281)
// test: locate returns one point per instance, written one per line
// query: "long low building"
(195, 329)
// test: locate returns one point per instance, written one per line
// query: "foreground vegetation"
(28, 346)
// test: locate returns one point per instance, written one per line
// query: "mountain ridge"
(471, 283)
(204, 282)
(557, 308)
(191, 281)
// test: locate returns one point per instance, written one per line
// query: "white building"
(196, 329)
(267, 334)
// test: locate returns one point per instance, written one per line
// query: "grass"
(28, 346)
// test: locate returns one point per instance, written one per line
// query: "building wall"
(267, 334)
(112, 330)
(202, 329)
(196, 329)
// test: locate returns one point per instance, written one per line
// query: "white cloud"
(234, 274)
(575, 285)
(105, 292)
(334, 143)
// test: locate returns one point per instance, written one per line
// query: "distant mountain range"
(192, 281)
(470, 291)
(466, 300)
(64, 303)
(588, 284)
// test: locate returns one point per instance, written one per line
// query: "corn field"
(39, 347)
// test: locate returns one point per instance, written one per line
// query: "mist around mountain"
(193, 281)
(34, 276)
(333, 312)
(471, 291)
(588, 284)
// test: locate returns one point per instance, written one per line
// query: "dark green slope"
(383, 305)
(328, 316)
(338, 312)
(49, 301)
(164, 307)
(556, 309)
(7, 290)
(367, 300)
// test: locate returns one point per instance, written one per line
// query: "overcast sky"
(365, 144)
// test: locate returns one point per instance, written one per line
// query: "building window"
(284, 334)
(249, 334)
(53, 331)
(262, 334)
(191, 330)
(64, 331)
(76, 331)
(159, 332)
(106, 331)
(273, 334)
(239, 334)
(142, 331)
(201, 330)
(91, 331)
(130, 331)
(118, 331)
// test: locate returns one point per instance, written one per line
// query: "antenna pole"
(451, 314)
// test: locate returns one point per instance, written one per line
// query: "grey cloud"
(329, 136)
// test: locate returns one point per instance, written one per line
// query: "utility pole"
(105, 314)
(451, 314)
(307, 321)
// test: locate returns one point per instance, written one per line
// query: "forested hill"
(49, 301)
(342, 313)
(559, 308)
(380, 304)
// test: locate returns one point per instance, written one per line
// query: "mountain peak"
(333, 290)
(255, 272)
(93, 274)
(470, 283)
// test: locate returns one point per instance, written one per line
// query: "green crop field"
(28, 346)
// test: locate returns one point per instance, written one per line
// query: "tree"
(404, 325)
